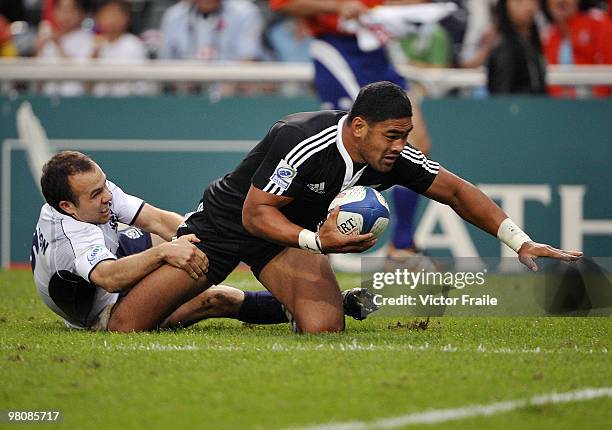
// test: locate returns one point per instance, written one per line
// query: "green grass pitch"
(225, 375)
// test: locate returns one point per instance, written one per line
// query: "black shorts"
(225, 249)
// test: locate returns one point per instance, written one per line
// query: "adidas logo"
(317, 188)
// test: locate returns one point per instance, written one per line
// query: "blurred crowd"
(513, 39)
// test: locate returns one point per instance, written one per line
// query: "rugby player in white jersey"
(77, 243)
(74, 260)
(267, 212)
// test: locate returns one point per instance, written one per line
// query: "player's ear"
(67, 207)
(360, 127)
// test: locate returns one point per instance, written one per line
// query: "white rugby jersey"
(65, 251)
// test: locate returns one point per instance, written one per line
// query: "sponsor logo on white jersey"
(94, 253)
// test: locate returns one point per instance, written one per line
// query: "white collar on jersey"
(349, 179)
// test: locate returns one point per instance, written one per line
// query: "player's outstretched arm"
(157, 221)
(118, 275)
(261, 216)
(477, 208)
(469, 202)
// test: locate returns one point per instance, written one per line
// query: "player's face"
(383, 142)
(92, 196)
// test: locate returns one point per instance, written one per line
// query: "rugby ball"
(362, 210)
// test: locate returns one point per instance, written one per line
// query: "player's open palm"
(182, 253)
(530, 251)
(332, 241)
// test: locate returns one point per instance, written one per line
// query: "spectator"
(455, 28)
(480, 34)
(167, 24)
(289, 38)
(13, 10)
(515, 64)
(577, 37)
(170, 19)
(47, 14)
(7, 48)
(67, 41)
(114, 44)
(212, 30)
(430, 46)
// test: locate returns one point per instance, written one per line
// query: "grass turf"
(225, 375)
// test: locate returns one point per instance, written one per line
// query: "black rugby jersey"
(303, 157)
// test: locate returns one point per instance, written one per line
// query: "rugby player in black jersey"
(271, 211)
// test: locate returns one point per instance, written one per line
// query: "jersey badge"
(283, 175)
(93, 254)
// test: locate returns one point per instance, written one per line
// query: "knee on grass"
(120, 324)
(323, 325)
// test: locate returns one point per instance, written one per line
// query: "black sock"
(260, 307)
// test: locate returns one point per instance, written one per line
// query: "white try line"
(341, 347)
(436, 416)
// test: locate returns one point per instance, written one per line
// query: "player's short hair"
(381, 101)
(56, 174)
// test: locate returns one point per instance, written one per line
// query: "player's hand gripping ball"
(362, 210)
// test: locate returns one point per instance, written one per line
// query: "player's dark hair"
(56, 173)
(381, 101)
